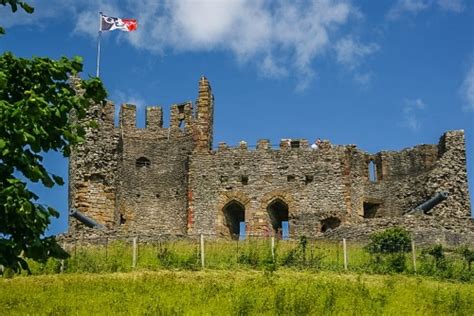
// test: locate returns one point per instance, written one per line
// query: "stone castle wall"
(168, 180)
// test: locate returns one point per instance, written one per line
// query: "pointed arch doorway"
(278, 213)
(234, 217)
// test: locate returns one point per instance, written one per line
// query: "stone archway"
(231, 210)
(276, 207)
(278, 213)
(234, 215)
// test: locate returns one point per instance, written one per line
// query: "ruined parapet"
(204, 119)
(154, 117)
(181, 116)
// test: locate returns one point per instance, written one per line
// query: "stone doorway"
(278, 213)
(234, 214)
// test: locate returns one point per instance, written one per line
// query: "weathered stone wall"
(158, 180)
(93, 169)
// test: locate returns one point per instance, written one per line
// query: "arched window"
(278, 213)
(234, 214)
(142, 162)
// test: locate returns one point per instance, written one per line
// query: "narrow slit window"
(372, 171)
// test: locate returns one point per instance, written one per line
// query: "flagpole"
(98, 45)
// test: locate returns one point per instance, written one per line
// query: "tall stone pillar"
(203, 126)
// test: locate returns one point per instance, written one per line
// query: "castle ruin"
(169, 180)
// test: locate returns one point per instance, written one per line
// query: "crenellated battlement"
(284, 145)
(166, 178)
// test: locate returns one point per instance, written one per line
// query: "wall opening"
(122, 219)
(278, 213)
(330, 223)
(370, 209)
(295, 144)
(142, 162)
(244, 179)
(290, 178)
(308, 179)
(372, 171)
(234, 214)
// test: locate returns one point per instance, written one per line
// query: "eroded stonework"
(157, 180)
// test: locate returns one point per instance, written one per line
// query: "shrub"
(388, 249)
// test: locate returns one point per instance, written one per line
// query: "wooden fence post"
(344, 249)
(134, 253)
(106, 249)
(61, 268)
(413, 253)
(202, 252)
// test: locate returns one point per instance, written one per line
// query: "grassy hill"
(239, 292)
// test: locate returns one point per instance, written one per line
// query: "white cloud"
(350, 53)
(411, 110)
(451, 5)
(407, 6)
(363, 79)
(467, 89)
(413, 7)
(277, 37)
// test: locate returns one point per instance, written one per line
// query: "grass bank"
(240, 292)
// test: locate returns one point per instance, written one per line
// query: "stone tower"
(133, 179)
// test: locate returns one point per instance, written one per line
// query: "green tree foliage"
(391, 240)
(36, 99)
(388, 249)
(14, 6)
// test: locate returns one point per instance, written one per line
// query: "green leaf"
(27, 8)
(58, 180)
(2, 143)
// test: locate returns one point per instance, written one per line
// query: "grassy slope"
(233, 293)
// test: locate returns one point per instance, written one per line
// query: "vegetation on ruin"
(218, 292)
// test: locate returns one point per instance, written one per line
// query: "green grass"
(238, 292)
(251, 254)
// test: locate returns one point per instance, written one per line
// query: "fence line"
(259, 252)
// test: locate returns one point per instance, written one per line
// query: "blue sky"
(384, 75)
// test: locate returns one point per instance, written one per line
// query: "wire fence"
(257, 252)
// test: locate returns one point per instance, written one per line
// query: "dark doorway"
(278, 213)
(234, 213)
(330, 223)
(370, 209)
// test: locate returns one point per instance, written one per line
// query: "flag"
(108, 23)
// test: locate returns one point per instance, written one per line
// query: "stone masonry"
(168, 180)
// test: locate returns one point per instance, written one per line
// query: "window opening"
(122, 219)
(244, 180)
(290, 178)
(372, 171)
(278, 213)
(142, 162)
(234, 214)
(329, 224)
(295, 144)
(242, 231)
(370, 209)
(308, 179)
(285, 230)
